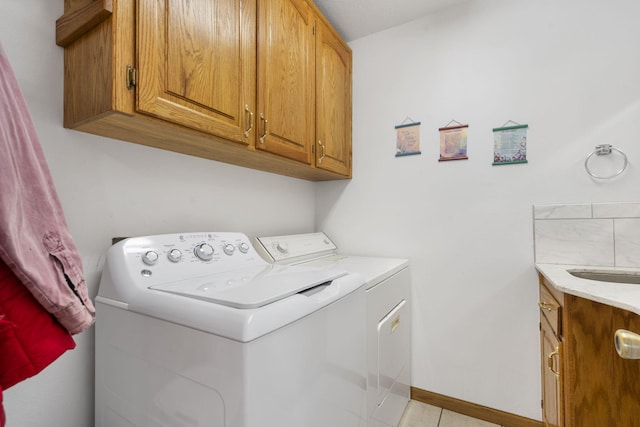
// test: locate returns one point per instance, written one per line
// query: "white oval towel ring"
(603, 150)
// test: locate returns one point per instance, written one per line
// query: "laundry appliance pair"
(200, 329)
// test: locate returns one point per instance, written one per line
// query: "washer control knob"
(204, 251)
(229, 249)
(244, 247)
(150, 257)
(174, 255)
(282, 248)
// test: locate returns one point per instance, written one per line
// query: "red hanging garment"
(30, 338)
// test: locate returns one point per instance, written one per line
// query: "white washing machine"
(196, 329)
(388, 290)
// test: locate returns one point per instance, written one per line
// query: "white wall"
(110, 188)
(571, 71)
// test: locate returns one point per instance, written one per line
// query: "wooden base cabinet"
(552, 372)
(264, 84)
(596, 386)
(602, 388)
(551, 357)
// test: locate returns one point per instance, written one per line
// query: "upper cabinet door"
(196, 64)
(286, 77)
(333, 102)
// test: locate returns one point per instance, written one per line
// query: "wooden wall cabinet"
(195, 64)
(596, 387)
(247, 82)
(286, 79)
(333, 101)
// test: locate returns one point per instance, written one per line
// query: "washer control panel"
(295, 248)
(168, 257)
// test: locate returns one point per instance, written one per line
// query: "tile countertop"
(622, 295)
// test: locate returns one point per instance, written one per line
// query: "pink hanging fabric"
(35, 242)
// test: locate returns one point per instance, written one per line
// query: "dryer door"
(393, 346)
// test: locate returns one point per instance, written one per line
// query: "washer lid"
(251, 287)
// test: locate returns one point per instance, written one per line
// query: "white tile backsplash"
(627, 242)
(562, 211)
(599, 234)
(616, 210)
(575, 241)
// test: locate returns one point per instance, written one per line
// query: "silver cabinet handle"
(627, 344)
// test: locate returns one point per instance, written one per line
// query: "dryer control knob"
(204, 251)
(150, 257)
(282, 248)
(229, 249)
(244, 247)
(174, 255)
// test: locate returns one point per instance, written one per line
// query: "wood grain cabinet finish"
(229, 80)
(333, 102)
(551, 357)
(196, 64)
(286, 79)
(602, 389)
(596, 387)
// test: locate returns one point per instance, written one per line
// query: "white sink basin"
(615, 276)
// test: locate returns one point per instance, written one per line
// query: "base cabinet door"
(626, 372)
(585, 383)
(602, 388)
(551, 357)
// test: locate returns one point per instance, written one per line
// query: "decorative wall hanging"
(453, 141)
(408, 138)
(510, 144)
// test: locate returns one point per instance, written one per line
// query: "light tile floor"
(420, 414)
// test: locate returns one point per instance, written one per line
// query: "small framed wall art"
(408, 138)
(453, 141)
(510, 144)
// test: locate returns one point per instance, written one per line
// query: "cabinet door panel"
(196, 63)
(551, 359)
(625, 383)
(590, 355)
(333, 102)
(286, 79)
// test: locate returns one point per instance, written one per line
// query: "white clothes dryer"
(388, 292)
(196, 329)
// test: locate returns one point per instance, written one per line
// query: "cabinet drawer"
(551, 309)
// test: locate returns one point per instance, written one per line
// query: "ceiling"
(358, 18)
